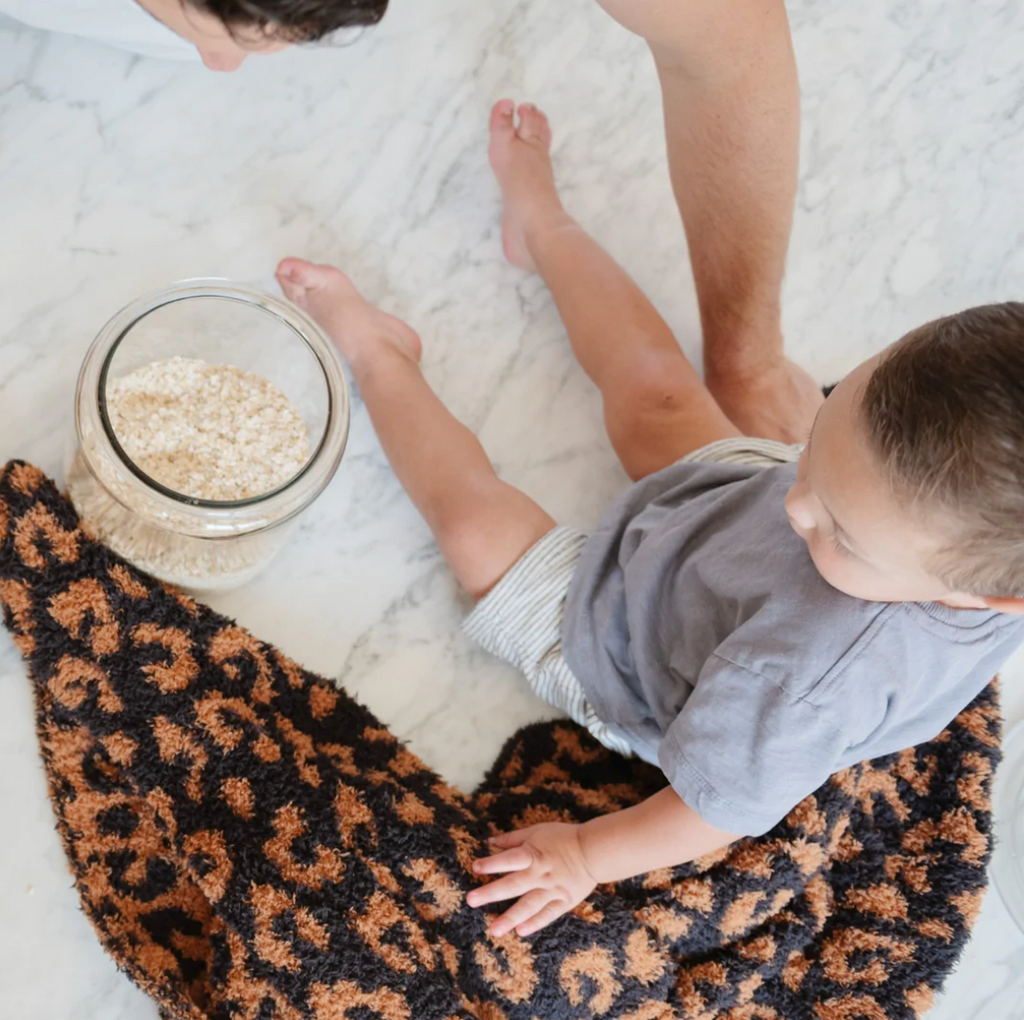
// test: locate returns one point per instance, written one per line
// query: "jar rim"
(320, 466)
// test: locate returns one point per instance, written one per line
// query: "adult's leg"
(656, 407)
(732, 119)
(482, 524)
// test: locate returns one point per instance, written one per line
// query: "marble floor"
(118, 175)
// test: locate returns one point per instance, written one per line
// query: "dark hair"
(294, 20)
(945, 413)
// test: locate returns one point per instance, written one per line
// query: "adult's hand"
(774, 400)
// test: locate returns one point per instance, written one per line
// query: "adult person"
(732, 117)
(222, 33)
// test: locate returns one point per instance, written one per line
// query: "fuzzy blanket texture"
(250, 843)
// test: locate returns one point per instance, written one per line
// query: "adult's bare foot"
(776, 400)
(520, 157)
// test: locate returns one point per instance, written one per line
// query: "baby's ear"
(1012, 605)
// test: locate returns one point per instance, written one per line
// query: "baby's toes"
(294, 276)
(299, 278)
(533, 125)
(502, 123)
(292, 291)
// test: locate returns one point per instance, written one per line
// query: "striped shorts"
(520, 619)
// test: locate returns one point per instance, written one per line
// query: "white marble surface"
(119, 175)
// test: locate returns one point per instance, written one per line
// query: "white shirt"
(120, 23)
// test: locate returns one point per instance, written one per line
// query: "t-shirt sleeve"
(744, 751)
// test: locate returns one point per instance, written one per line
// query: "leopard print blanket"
(249, 843)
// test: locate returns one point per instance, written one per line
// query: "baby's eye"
(839, 547)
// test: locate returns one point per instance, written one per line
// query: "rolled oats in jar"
(208, 416)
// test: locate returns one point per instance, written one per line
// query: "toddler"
(748, 616)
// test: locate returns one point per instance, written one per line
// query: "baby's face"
(861, 540)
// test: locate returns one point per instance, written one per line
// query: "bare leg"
(656, 407)
(482, 525)
(732, 121)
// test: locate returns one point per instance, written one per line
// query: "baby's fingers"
(542, 918)
(504, 889)
(516, 859)
(507, 840)
(532, 904)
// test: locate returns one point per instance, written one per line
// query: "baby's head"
(911, 487)
(225, 32)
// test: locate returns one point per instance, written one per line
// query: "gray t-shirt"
(703, 635)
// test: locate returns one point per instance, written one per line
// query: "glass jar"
(198, 544)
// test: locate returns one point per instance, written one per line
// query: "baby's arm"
(554, 866)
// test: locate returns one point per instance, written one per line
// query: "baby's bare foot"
(356, 327)
(520, 158)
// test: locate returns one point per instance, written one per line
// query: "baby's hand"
(548, 873)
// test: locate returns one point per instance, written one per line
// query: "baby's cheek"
(835, 569)
(853, 578)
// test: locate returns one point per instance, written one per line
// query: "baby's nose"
(801, 517)
(222, 61)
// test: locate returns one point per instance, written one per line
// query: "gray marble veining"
(118, 175)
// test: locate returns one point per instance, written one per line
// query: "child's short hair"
(945, 412)
(294, 20)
